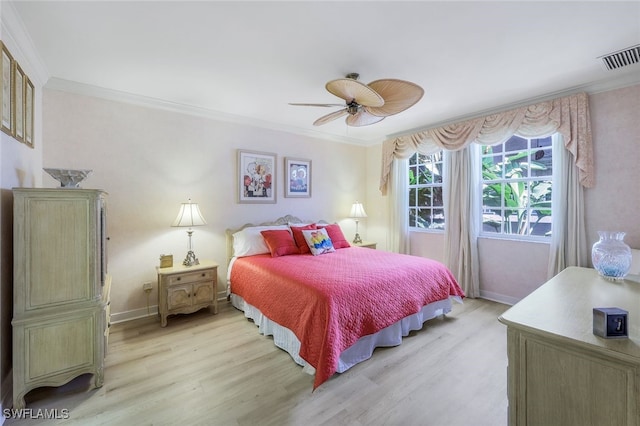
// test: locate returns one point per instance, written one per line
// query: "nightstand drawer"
(191, 277)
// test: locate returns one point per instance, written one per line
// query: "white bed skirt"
(359, 351)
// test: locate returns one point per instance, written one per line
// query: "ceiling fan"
(368, 103)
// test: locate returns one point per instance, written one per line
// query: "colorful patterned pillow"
(336, 235)
(280, 242)
(299, 238)
(318, 241)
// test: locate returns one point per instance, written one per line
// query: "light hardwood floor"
(217, 370)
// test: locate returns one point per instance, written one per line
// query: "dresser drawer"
(191, 277)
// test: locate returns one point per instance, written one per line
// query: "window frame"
(503, 180)
(440, 184)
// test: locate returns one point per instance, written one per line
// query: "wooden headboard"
(284, 220)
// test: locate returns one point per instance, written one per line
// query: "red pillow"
(336, 235)
(280, 242)
(299, 238)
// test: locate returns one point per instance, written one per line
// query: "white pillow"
(318, 241)
(249, 241)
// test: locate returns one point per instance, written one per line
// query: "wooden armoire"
(60, 288)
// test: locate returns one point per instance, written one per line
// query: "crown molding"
(77, 88)
(604, 85)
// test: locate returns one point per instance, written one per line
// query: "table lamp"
(357, 212)
(188, 216)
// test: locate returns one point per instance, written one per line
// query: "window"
(516, 187)
(425, 192)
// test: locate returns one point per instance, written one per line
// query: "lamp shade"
(189, 215)
(357, 210)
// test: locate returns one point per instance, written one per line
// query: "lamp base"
(191, 259)
(357, 239)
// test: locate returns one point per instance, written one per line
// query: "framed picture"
(256, 177)
(18, 95)
(298, 183)
(29, 99)
(6, 106)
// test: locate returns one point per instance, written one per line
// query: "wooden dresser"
(61, 288)
(559, 372)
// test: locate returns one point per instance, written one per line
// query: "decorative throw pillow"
(336, 235)
(318, 241)
(299, 238)
(280, 242)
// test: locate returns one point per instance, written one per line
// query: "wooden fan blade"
(330, 117)
(398, 95)
(352, 90)
(362, 118)
(316, 105)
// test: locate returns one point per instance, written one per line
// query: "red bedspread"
(330, 301)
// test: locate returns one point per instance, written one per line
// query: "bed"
(325, 302)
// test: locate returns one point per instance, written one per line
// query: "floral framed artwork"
(298, 182)
(6, 104)
(256, 177)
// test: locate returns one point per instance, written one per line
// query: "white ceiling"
(245, 61)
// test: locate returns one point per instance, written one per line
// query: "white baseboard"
(500, 298)
(134, 314)
(147, 312)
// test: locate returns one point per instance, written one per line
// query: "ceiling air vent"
(621, 58)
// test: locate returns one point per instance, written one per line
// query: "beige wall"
(150, 161)
(614, 203)
(19, 166)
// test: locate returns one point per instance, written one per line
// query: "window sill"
(537, 240)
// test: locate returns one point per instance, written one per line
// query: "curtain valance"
(567, 115)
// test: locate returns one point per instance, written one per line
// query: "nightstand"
(366, 244)
(187, 289)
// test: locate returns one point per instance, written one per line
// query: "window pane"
(492, 194)
(515, 222)
(424, 175)
(413, 176)
(437, 197)
(516, 143)
(517, 187)
(425, 191)
(541, 142)
(412, 217)
(492, 167)
(424, 196)
(412, 197)
(540, 194)
(438, 219)
(541, 222)
(425, 218)
(491, 221)
(541, 162)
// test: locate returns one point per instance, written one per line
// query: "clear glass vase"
(611, 256)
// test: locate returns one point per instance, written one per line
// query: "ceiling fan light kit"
(368, 103)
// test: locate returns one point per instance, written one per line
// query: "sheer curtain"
(568, 231)
(569, 116)
(398, 229)
(461, 216)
